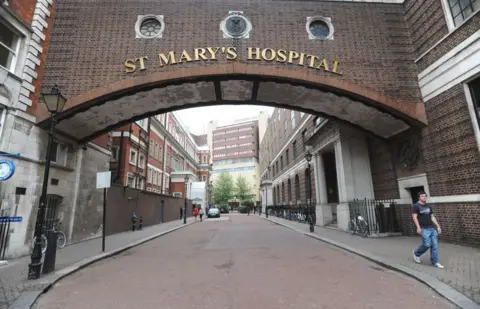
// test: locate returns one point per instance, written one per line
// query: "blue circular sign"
(7, 169)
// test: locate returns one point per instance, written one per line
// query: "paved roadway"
(238, 262)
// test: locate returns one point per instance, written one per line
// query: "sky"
(196, 118)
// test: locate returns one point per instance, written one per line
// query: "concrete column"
(323, 209)
(345, 182)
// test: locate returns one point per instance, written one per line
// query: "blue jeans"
(429, 241)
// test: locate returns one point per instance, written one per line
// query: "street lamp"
(266, 196)
(185, 206)
(55, 102)
(308, 157)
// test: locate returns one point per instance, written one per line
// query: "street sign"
(104, 180)
(10, 219)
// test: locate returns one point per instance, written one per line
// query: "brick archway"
(102, 109)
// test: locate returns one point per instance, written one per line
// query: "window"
(143, 123)
(160, 154)
(292, 118)
(141, 184)
(204, 178)
(159, 179)
(141, 161)
(278, 112)
(318, 121)
(150, 149)
(281, 162)
(475, 93)
(133, 157)
(286, 157)
(154, 177)
(114, 153)
(302, 114)
(130, 180)
(58, 154)
(9, 43)
(294, 150)
(462, 9)
(319, 28)
(204, 159)
(149, 177)
(149, 26)
(155, 154)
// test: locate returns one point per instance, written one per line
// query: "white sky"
(196, 118)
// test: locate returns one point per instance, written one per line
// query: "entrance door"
(330, 169)
(414, 192)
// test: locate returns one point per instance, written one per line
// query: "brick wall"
(385, 185)
(459, 222)
(426, 23)
(452, 162)
(23, 9)
(370, 40)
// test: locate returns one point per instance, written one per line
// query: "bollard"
(133, 224)
(141, 223)
(50, 255)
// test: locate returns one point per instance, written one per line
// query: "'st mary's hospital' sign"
(231, 54)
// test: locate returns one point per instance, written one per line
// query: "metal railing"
(299, 213)
(379, 214)
(4, 235)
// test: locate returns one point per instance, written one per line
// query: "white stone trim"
(459, 64)
(39, 25)
(472, 112)
(327, 21)
(99, 149)
(155, 168)
(141, 19)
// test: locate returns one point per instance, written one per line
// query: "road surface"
(238, 261)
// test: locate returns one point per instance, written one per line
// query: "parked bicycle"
(61, 238)
(358, 225)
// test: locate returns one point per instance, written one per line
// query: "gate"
(4, 235)
(53, 203)
(379, 214)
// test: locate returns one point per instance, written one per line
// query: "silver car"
(213, 213)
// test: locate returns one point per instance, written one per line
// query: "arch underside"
(104, 115)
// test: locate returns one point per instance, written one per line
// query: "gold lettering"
(335, 67)
(292, 55)
(312, 60)
(302, 59)
(200, 53)
(130, 66)
(213, 52)
(265, 52)
(251, 53)
(231, 53)
(169, 60)
(281, 55)
(142, 62)
(323, 65)
(185, 57)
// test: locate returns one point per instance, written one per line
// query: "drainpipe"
(120, 157)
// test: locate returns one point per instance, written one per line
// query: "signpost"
(104, 180)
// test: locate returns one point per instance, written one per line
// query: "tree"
(223, 189)
(242, 189)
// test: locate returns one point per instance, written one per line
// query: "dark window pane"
(458, 20)
(5, 57)
(476, 5)
(455, 9)
(464, 3)
(452, 2)
(7, 37)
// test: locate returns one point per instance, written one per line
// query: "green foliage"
(223, 189)
(242, 189)
(249, 204)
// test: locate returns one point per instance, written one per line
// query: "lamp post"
(185, 206)
(266, 196)
(55, 102)
(308, 157)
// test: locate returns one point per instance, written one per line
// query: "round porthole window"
(149, 26)
(319, 28)
(236, 25)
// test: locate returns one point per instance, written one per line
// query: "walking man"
(427, 227)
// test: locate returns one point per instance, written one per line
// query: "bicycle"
(61, 239)
(358, 225)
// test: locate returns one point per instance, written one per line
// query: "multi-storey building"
(156, 154)
(235, 150)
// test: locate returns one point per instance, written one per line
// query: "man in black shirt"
(427, 227)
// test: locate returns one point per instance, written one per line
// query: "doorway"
(330, 169)
(414, 192)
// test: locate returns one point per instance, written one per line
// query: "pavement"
(239, 262)
(13, 277)
(462, 263)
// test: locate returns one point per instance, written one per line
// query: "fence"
(379, 214)
(4, 235)
(299, 213)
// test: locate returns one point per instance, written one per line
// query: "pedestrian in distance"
(201, 212)
(195, 213)
(428, 228)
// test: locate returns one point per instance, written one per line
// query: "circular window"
(320, 28)
(236, 25)
(149, 26)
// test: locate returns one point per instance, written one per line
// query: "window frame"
(447, 10)
(15, 51)
(134, 162)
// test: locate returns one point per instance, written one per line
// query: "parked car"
(224, 209)
(213, 213)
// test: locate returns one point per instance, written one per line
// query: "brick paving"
(13, 277)
(242, 262)
(462, 263)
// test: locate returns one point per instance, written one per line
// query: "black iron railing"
(379, 214)
(4, 235)
(299, 213)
